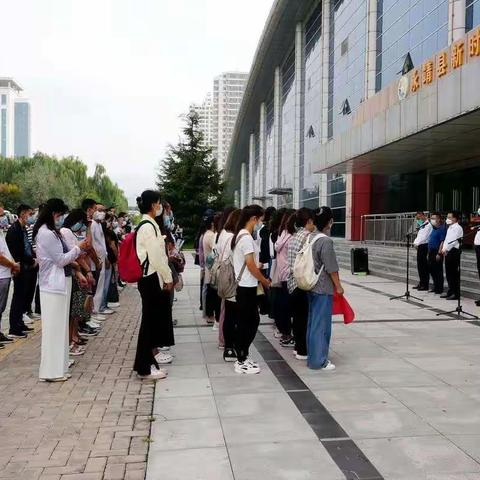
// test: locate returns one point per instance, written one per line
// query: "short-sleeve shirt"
(5, 272)
(243, 247)
(324, 255)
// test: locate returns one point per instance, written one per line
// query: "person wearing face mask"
(7, 268)
(450, 249)
(424, 230)
(212, 301)
(112, 300)
(22, 252)
(476, 243)
(55, 277)
(320, 298)
(249, 276)
(81, 280)
(100, 247)
(157, 276)
(299, 300)
(435, 260)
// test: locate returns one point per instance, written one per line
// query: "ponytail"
(247, 213)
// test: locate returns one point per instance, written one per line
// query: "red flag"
(342, 307)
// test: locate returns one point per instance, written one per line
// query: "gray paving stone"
(181, 408)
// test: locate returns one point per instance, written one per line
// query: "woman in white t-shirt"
(228, 325)
(245, 262)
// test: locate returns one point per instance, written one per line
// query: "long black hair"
(146, 200)
(45, 215)
(275, 222)
(75, 216)
(223, 219)
(247, 213)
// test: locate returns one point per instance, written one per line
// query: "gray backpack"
(225, 280)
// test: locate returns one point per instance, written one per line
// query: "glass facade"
(3, 98)
(336, 200)
(257, 187)
(3, 132)
(418, 27)
(309, 191)
(269, 148)
(288, 127)
(348, 30)
(22, 129)
(472, 14)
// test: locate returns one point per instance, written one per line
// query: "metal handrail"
(387, 228)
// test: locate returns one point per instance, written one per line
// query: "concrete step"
(390, 263)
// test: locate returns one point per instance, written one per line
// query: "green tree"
(189, 178)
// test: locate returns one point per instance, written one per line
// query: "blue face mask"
(167, 221)
(59, 222)
(32, 219)
(77, 227)
(258, 226)
(4, 223)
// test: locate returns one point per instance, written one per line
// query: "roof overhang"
(277, 39)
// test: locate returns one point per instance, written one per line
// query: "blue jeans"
(319, 329)
(106, 286)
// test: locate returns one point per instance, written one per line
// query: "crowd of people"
(262, 245)
(438, 242)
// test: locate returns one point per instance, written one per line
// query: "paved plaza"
(403, 403)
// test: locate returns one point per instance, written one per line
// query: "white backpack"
(304, 266)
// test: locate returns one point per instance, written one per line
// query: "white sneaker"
(93, 325)
(329, 366)
(163, 358)
(27, 320)
(113, 304)
(35, 316)
(294, 352)
(251, 362)
(246, 367)
(71, 362)
(164, 349)
(215, 327)
(302, 357)
(277, 334)
(154, 375)
(107, 311)
(98, 317)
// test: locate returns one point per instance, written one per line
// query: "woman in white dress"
(55, 281)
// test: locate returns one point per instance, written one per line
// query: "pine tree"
(189, 178)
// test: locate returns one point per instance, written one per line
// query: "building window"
(421, 30)
(4, 99)
(337, 201)
(3, 130)
(472, 14)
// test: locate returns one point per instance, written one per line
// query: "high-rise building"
(14, 120)
(218, 113)
(205, 117)
(228, 90)
(369, 107)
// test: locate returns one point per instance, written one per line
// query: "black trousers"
(452, 271)
(230, 324)
(477, 253)
(436, 269)
(202, 275)
(264, 300)
(283, 310)
(299, 305)
(213, 303)
(37, 300)
(248, 320)
(113, 288)
(155, 328)
(31, 281)
(422, 265)
(17, 307)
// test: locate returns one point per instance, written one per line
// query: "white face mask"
(159, 211)
(448, 221)
(478, 211)
(433, 222)
(99, 216)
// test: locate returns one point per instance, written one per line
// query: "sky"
(108, 79)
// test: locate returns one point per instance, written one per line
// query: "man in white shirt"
(476, 243)
(450, 249)
(7, 267)
(424, 230)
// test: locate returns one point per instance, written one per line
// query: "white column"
(299, 111)
(371, 55)
(243, 185)
(236, 199)
(251, 169)
(277, 131)
(456, 20)
(263, 163)
(325, 66)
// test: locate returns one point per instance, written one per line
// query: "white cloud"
(108, 79)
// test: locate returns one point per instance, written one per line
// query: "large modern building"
(368, 106)
(205, 116)
(14, 120)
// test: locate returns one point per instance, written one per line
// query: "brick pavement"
(95, 426)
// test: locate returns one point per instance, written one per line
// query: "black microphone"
(423, 226)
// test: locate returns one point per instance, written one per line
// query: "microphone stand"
(407, 295)
(459, 310)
